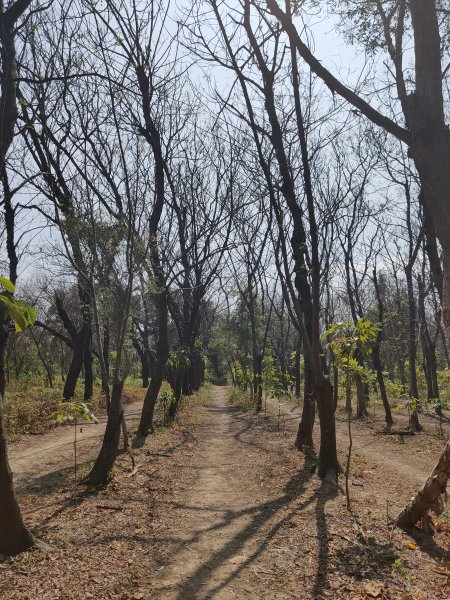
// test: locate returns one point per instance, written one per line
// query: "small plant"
(345, 340)
(165, 399)
(73, 412)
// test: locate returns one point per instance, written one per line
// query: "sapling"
(73, 412)
(345, 340)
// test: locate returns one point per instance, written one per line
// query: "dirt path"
(214, 521)
(232, 508)
(34, 458)
(223, 507)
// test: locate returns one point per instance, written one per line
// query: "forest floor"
(221, 506)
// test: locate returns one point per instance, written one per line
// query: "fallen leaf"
(373, 589)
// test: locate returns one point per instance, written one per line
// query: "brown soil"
(34, 458)
(223, 508)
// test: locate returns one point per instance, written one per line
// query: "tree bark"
(304, 439)
(328, 466)
(377, 365)
(14, 536)
(361, 399)
(159, 366)
(429, 498)
(107, 456)
(428, 347)
(88, 372)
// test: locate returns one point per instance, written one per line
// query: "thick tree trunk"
(108, 453)
(14, 536)
(328, 467)
(429, 498)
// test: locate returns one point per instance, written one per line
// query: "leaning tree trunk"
(430, 497)
(75, 367)
(108, 453)
(377, 364)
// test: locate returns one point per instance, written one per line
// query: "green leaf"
(28, 312)
(13, 312)
(7, 285)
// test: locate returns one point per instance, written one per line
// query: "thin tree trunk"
(304, 439)
(297, 371)
(361, 398)
(88, 372)
(381, 384)
(159, 367)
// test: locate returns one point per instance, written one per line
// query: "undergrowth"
(30, 406)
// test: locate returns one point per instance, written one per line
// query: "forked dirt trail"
(222, 506)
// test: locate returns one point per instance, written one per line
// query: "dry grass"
(30, 407)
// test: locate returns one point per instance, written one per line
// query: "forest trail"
(216, 522)
(34, 458)
(223, 508)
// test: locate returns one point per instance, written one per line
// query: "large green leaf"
(14, 312)
(28, 312)
(7, 285)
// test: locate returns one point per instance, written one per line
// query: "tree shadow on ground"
(261, 515)
(428, 544)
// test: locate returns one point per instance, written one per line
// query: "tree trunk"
(106, 344)
(297, 373)
(412, 352)
(430, 497)
(361, 398)
(428, 347)
(108, 453)
(14, 536)
(304, 439)
(75, 368)
(88, 372)
(258, 379)
(328, 467)
(159, 366)
(380, 378)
